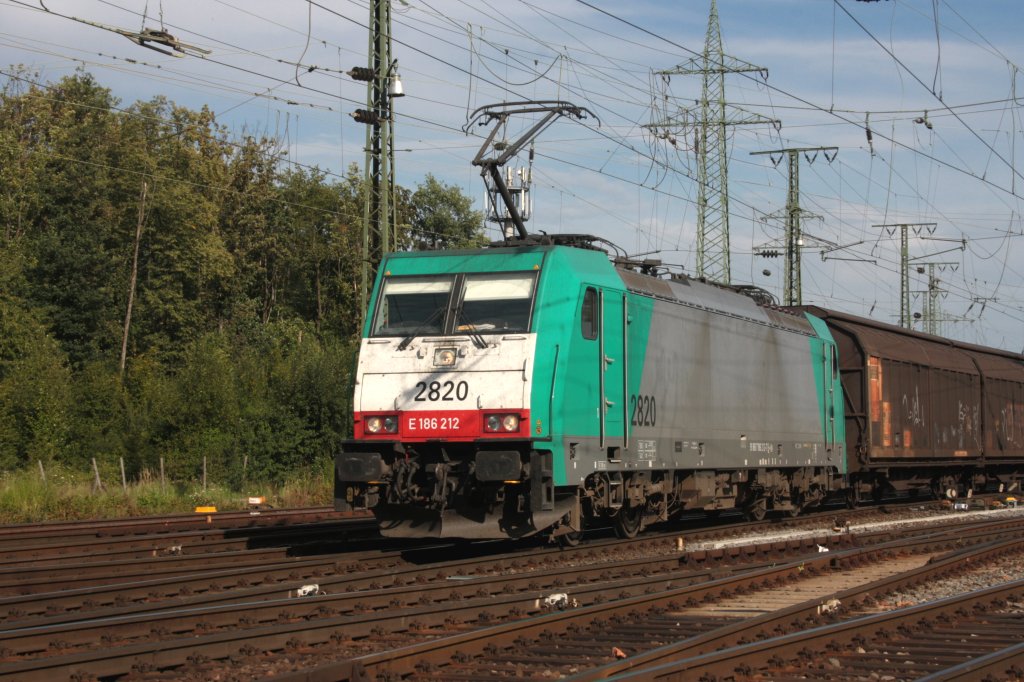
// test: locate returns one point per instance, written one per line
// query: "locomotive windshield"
(497, 302)
(485, 303)
(413, 305)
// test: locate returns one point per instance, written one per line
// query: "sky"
(933, 81)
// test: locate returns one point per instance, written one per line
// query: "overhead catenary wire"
(612, 96)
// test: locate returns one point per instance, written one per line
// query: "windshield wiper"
(474, 335)
(421, 328)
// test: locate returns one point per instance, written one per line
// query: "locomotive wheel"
(851, 499)
(570, 539)
(628, 521)
(756, 510)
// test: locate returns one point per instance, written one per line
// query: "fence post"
(204, 472)
(163, 483)
(124, 480)
(42, 471)
(97, 484)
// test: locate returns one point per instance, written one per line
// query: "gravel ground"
(977, 577)
(902, 518)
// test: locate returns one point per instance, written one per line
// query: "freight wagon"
(924, 414)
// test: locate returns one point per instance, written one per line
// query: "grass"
(68, 495)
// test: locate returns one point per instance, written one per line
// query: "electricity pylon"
(924, 232)
(794, 215)
(712, 120)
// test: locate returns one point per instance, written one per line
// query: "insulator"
(364, 116)
(360, 73)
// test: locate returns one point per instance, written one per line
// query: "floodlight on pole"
(395, 88)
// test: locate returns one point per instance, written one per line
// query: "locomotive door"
(831, 374)
(612, 370)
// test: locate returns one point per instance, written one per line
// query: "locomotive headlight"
(444, 357)
(501, 423)
(381, 424)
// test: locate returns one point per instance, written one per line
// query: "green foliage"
(35, 380)
(443, 218)
(241, 337)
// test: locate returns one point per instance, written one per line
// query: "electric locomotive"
(541, 386)
(507, 391)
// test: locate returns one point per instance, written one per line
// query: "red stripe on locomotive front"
(455, 425)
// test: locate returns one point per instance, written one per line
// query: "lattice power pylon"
(711, 119)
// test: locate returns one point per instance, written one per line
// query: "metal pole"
(379, 220)
(904, 228)
(904, 278)
(793, 293)
(794, 240)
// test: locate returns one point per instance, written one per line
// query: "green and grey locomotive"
(541, 386)
(507, 391)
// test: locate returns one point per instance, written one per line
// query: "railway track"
(220, 536)
(45, 531)
(105, 582)
(970, 636)
(367, 604)
(584, 643)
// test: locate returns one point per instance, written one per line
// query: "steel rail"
(437, 654)
(744, 661)
(322, 627)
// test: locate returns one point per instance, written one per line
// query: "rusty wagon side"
(927, 413)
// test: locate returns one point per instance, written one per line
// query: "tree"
(241, 340)
(443, 218)
(35, 380)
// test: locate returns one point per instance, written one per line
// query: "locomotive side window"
(412, 305)
(588, 319)
(498, 302)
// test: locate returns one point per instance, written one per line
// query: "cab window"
(588, 317)
(412, 305)
(496, 302)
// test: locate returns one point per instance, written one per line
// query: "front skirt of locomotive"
(483, 491)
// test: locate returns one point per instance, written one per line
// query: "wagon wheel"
(628, 521)
(756, 510)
